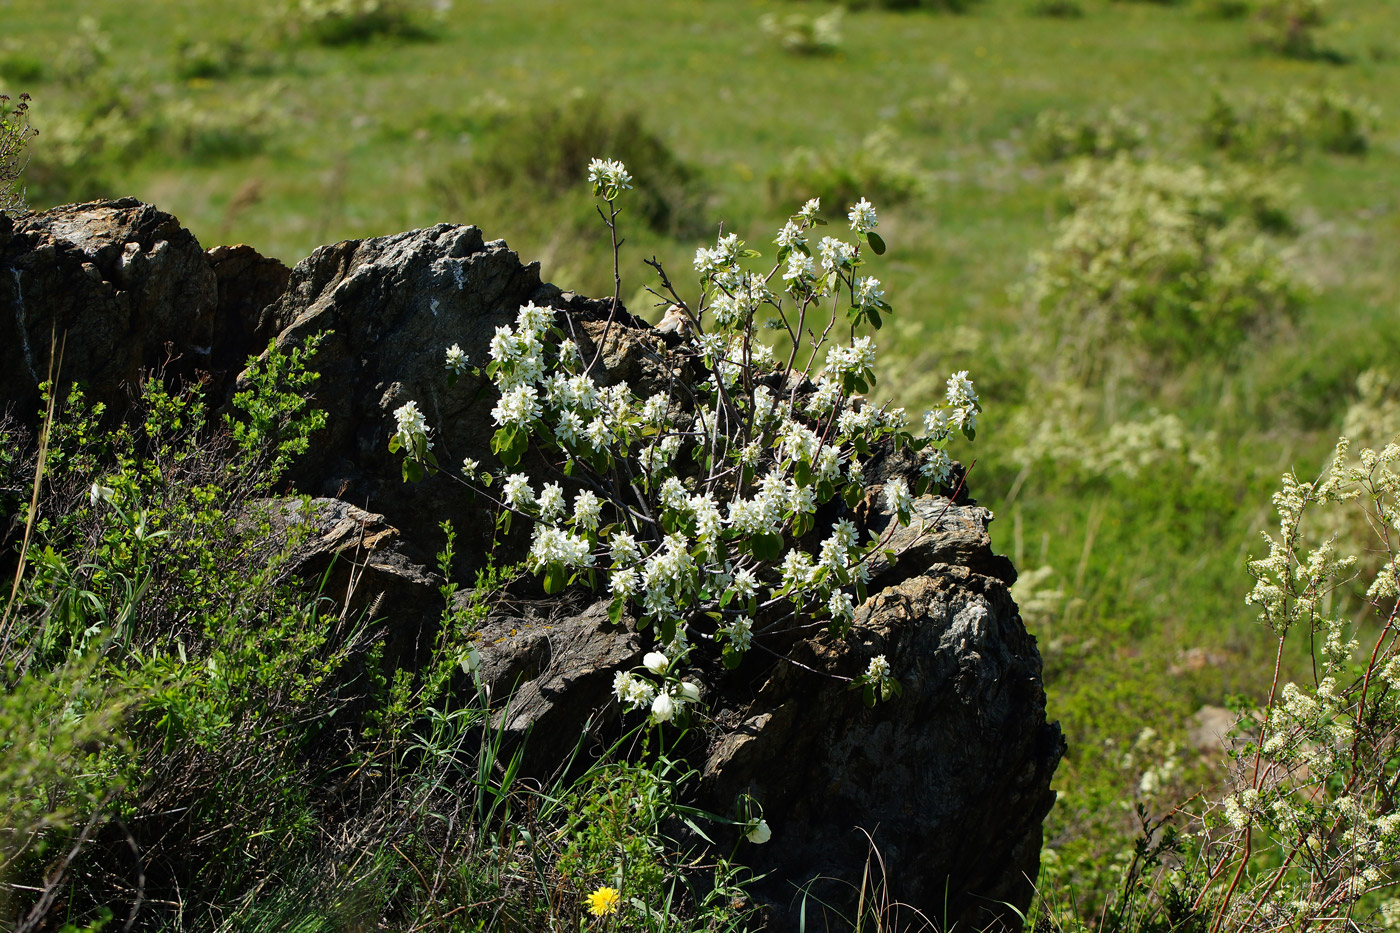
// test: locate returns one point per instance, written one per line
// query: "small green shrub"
(1275, 128)
(1057, 136)
(1173, 261)
(872, 169)
(801, 34)
(1056, 9)
(534, 152)
(1222, 9)
(351, 22)
(208, 58)
(943, 6)
(1288, 27)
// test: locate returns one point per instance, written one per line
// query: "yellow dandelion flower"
(604, 901)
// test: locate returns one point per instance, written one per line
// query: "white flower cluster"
(692, 499)
(666, 699)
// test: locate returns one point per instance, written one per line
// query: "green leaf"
(726, 598)
(730, 657)
(877, 243)
(874, 318)
(615, 611)
(554, 578)
(767, 546)
(851, 493)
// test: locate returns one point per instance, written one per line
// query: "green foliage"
(877, 168)
(536, 150)
(1056, 9)
(1277, 128)
(801, 34)
(1288, 27)
(15, 134)
(945, 6)
(1174, 261)
(350, 22)
(1057, 136)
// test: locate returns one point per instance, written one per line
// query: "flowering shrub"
(1058, 136)
(1280, 127)
(697, 505)
(875, 168)
(15, 133)
(1288, 26)
(342, 22)
(1314, 785)
(805, 35)
(1172, 260)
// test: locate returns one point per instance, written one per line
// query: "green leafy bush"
(1058, 136)
(1057, 9)
(805, 35)
(534, 151)
(945, 6)
(875, 168)
(1172, 261)
(347, 22)
(1281, 127)
(1288, 27)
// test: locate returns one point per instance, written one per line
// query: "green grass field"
(320, 143)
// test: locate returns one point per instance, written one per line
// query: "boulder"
(390, 307)
(119, 284)
(946, 786)
(248, 283)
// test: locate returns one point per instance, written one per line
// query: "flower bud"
(663, 708)
(760, 833)
(655, 662)
(689, 693)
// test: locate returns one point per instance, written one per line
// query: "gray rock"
(391, 307)
(120, 284)
(950, 779)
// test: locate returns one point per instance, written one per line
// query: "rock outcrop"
(950, 781)
(124, 289)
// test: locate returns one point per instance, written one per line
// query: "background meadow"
(1048, 174)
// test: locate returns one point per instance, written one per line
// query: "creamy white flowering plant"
(1312, 822)
(696, 505)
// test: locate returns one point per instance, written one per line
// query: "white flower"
(835, 254)
(624, 549)
(740, 633)
(799, 268)
(897, 498)
(862, 216)
(879, 669)
(586, 508)
(608, 173)
(517, 407)
(99, 493)
(456, 360)
(689, 693)
(809, 210)
(841, 607)
(654, 409)
(759, 833)
(568, 353)
(936, 424)
(532, 320)
(790, 235)
(960, 390)
(655, 662)
(551, 501)
(937, 466)
(624, 583)
(410, 423)
(663, 708)
(569, 428)
(517, 492)
(868, 292)
(745, 583)
(469, 466)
